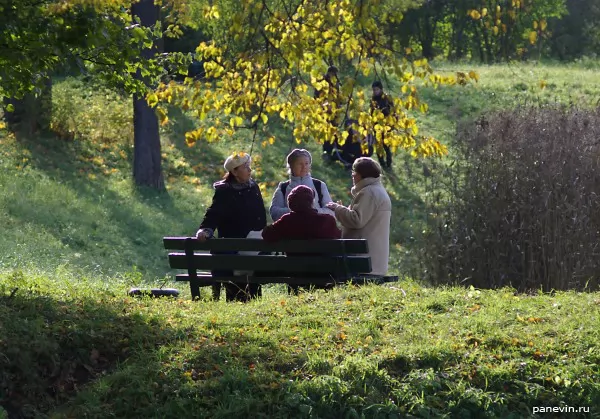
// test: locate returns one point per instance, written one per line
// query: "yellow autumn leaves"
(274, 85)
(501, 19)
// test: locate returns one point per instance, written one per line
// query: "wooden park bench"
(319, 262)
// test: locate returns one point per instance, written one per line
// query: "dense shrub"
(90, 111)
(524, 203)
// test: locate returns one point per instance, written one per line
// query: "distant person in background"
(332, 97)
(369, 215)
(299, 163)
(354, 147)
(196, 70)
(381, 101)
(237, 209)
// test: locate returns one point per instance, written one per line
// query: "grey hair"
(295, 155)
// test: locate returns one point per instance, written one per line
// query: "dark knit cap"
(301, 199)
(377, 83)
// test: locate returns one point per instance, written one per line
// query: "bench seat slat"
(336, 265)
(334, 247)
(205, 280)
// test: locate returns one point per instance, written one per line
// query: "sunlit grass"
(85, 350)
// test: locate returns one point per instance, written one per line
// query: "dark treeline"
(487, 31)
(500, 30)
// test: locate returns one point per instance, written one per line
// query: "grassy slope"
(74, 229)
(80, 349)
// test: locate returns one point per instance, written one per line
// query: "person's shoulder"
(376, 191)
(317, 180)
(286, 218)
(370, 190)
(284, 184)
(221, 185)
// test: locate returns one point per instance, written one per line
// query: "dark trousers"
(385, 155)
(352, 151)
(233, 292)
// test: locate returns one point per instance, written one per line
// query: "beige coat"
(368, 217)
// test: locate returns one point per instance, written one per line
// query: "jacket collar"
(363, 183)
(300, 179)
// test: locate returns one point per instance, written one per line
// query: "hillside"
(77, 235)
(70, 201)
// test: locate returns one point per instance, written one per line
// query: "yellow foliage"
(211, 12)
(152, 99)
(280, 80)
(532, 37)
(475, 15)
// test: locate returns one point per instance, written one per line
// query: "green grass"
(82, 349)
(77, 235)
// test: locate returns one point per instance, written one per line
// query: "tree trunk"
(457, 47)
(427, 36)
(147, 169)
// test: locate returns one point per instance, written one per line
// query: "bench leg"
(216, 291)
(195, 290)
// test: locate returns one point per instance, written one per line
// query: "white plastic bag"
(251, 235)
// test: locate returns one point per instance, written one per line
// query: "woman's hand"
(332, 205)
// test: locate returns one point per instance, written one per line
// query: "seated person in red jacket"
(302, 222)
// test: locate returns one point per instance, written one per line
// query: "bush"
(90, 111)
(524, 206)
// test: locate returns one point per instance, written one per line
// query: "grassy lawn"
(82, 349)
(77, 235)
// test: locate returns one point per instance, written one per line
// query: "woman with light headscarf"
(299, 163)
(237, 209)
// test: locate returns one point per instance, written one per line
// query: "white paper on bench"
(251, 235)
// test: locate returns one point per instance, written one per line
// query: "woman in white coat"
(299, 163)
(369, 214)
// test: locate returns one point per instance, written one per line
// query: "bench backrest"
(332, 247)
(338, 258)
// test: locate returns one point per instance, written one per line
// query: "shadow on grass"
(227, 375)
(51, 348)
(130, 239)
(212, 375)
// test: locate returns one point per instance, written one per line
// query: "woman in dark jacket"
(237, 209)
